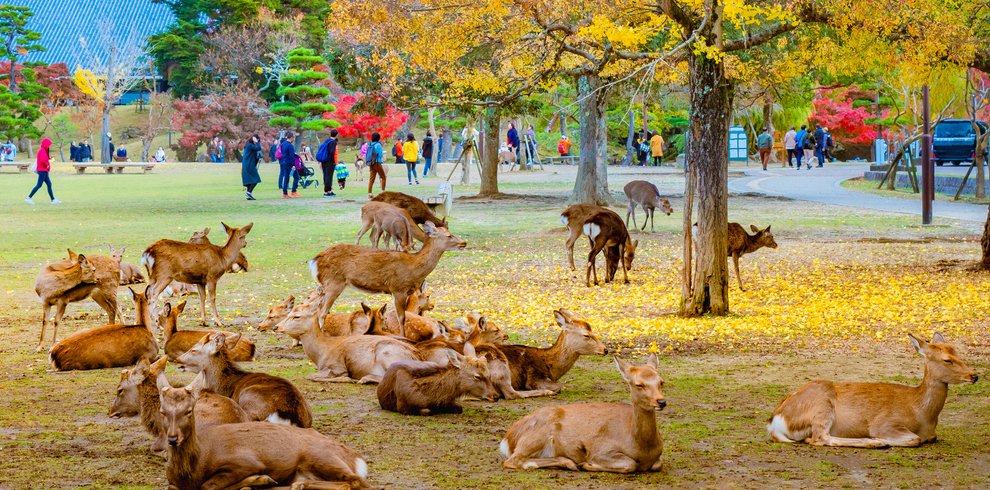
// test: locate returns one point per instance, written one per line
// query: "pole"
(927, 167)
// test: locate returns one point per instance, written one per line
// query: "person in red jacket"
(43, 166)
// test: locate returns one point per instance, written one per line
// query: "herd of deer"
(231, 428)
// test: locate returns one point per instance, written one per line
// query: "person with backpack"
(642, 148)
(564, 146)
(327, 156)
(764, 143)
(427, 153)
(808, 145)
(43, 166)
(799, 144)
(829, 146)
(375, 166)
(342, 174)
(397, 150)
(410, 153)
(656, 149)
(820, 145)
(249, 166)
(286, 156)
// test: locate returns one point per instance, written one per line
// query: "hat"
(563, 136)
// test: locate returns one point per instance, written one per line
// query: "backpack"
(561, 147)
(323, 154)
(395, 152)
(278, 151)
(298, 164)
(809, 140)
(644, 147)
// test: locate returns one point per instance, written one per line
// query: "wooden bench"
(113, 167)
(568, 160)
(21, 166)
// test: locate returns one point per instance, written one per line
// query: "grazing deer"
(825, 413)
(130, 274)
(645, 194)
(741, 243)
(418, 209)
(137, 394)
(202, 264)
(613, 437)
(392, 221)
(425, 388)
(177, 342)
(606, 231)
(262, 396)
(573, 218)
(250, 454)
(361, 358)
(535, 368)
(57, 285)
(380, 271)
(116, 345)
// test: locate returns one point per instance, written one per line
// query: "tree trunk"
(12, 77)
(105, 156)
(433, 134)
(448, 145)
(630, 141)
(591, 185)
(768, 111)
(489, 161)
(522, 161)
(985, 243)
(708, 153)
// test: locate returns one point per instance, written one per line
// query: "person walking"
(820, 145)
(564, 146)
(764, 143)
(214, 150)
(221, 150)
(656, 149)
(375, 166)
(286, 154)
(249, 166)
(808, 145)
(512, 139)
(327, 156)
(73, 151)
(790, 142)
(642, 148)
(427, 154)
(799, 138)
(397, 150)
(469, 138)
(271, 150)
(43, 166)
(829, 146)
(410, 152)
(342, 174)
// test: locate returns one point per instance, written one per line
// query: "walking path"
(823, 185)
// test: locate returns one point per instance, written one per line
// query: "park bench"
(21, 166)
(113, 167)
(568, 160)
(444, 200)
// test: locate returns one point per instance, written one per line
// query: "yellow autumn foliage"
(89, 83)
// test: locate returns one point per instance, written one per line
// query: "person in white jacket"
(790, 143)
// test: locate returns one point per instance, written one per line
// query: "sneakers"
(249, 196)
(329, 195)
(295, 194)
(411, 183)
(417, 182)
(31, 201)
(286, 196)
(56, 201)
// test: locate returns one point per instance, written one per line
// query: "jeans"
(284, 172)
(43, 179)
(657, 161)
(799, 152)
(328, 169)
(426, 166)
(411, 171)
(791, 154)
(250, 187)
(819, 153)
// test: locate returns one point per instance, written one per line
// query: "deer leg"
(371, 379)
(330, 293)
(897, 437)
(400, 301)
(211, 289)
(46, 308)
(202, 303)
(59, 313)
(256, 481)
(328, 376)
(569, 245)
(320, 485)
(631, 211)
(234, 476)
(652, 212)
(108, 301)
(536, 463)
(735, 263)
(622, 260)
(646, 216)
(614, 463)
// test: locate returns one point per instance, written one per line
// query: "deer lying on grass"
(250, 454)
(574, 218)
(57, 285)
(116, 345)
(382, 218)
(871, 415)
(606, 231)
(418, 327)
(613, 437)
(425, 388)
(360, 358)
(645, 194)
(535, 368)
(418, 209)
(201, 264)
(177, 342)
(741, 243)
(262, 396)
(137, 394)
(379, 271)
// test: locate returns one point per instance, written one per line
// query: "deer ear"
(179, 308)
(623, 368)
(216, 343)
(560, 317)
(72, 255)
(652, 360)
(197, 385)
(482, 323)
(455, 359)
(131, 294)
(206, 231)
(142, 364)
(121, 251)
(226, 228)
(232, 341)
(938, 338)
(167, 309)
(162, 382)
(754, 228)
(767, 229)
(290, 301)
(365, 308)
(247, 228)
(159, 365)
(430, 228)
(919, 345)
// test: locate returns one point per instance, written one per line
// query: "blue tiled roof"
(62, 22)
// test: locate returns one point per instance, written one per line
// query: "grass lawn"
(833, 301)
(870, 186)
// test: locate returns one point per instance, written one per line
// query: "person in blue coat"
(798, 142)
(512, 138)
(286, 166)
(820, 145)
(249, 166)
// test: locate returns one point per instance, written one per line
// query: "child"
(342, 174)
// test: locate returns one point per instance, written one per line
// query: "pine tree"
(303, 99)
(19, 111)
(16, 39)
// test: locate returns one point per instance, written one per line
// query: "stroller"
(305, 174)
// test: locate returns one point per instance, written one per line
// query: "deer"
(202, 236)
(873, 415)
(740, 243)
(380, 271)
(130, 274)
(262, 396)
(573, 218)
(109, 346)
(611, 437)
(425, 388)
(606, 231)
(418, 327)
(201, 264)
(57, 285)
(535, 368)
(249, 454)
(382, 218)
(177, 342)
(356, 359)
(137, 394)
(418, 209)
(645, 194)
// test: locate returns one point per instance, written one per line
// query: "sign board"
(738, 144)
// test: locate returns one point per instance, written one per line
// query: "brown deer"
(606, 231)
(645, 194)
(418, 327)
(177, 342)
(418, 209)
(361, 358)
(539, 368)
(382, 218)
(871, 415)
(57, 285)
(612, 437)
(130, 274)
(250, 454)
(573, 218)
(740, 243)
(137, 394)
(425, 388)
(202, 236)
(202, 264)
(116, 345)
(262, 396)
(277, 313)
(380, 271)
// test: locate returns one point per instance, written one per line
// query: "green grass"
(870, 186)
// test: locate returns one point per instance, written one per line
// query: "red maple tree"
(233, 116)
(835, 110)
(358, 123)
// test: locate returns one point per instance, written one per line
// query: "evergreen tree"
(19, 111)
(303, 99)
(16, 39)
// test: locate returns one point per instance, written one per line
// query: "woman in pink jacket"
(43, 165)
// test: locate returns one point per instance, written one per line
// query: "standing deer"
(535, 368)
(613, 437)
(606, 231)
(645, 194)
(202, 264)
(59, 284)
(741, 243)
(418, 209)
(425, 388)
(250, 454)
(262, 396)
(871, 415)
(573, 218)
(177, 342)
(379, 271)
(382, 218)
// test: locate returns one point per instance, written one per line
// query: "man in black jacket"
(327, 155)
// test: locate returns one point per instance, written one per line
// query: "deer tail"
(591, 230)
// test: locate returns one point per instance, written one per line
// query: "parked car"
(954, 141)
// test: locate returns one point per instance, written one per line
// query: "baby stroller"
(305, 174)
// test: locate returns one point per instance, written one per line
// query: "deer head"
(942, 362)
(629, 253)
(473, 374)
(763, 237)
(200, 236)
(577, 334)
(201, 355)
(238, 236)
(442, 238)
(665, 206)
(300, 320)
(644, 383)
(177, 408)
(116, 254)
(277, 313)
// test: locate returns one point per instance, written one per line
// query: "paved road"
(822, 185)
